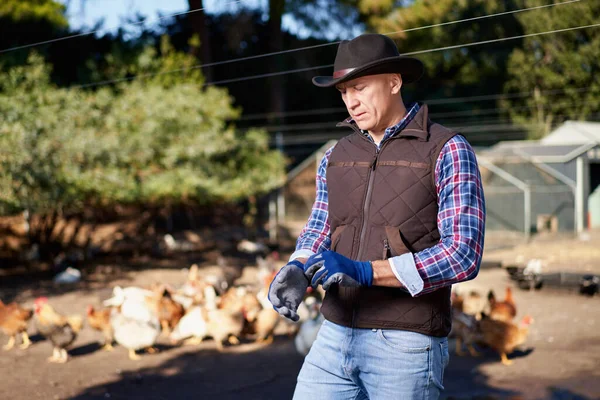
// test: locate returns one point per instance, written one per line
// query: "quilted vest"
(383, 203)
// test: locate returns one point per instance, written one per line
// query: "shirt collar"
(392, 130)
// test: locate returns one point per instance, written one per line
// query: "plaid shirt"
(460, 220)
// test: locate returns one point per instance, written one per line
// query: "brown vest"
(384, 204)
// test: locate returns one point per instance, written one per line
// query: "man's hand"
(287, 289)
(330, 267)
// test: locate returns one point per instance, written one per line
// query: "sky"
(84, 14)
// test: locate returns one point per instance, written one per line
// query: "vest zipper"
(368, 198)
(386, 249)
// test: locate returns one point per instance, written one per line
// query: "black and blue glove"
(330, 267)
(287, 289)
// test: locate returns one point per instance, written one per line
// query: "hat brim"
(410, 68)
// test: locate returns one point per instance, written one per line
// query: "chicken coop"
(547, 185)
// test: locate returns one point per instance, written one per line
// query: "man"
(399, 217)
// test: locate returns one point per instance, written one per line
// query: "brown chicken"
(59, 329)
(100, 321)
(502, 310)
(13, 320)
(168, 310)
(503, 336)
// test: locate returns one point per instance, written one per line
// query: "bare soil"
(561, 359)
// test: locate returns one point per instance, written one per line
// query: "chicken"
(14, 320)
(503, 336)
(502, 310)
(133, 302)
(465, 329)
(100, 321)
(59, 329)
(168, 310)
(267, 319)
(134, 333)
(309, 329)
(473, 304)
(222, 324)
(192, 326)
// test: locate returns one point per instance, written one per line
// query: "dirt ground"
(560, 360)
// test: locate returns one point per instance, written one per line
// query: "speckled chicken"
(60, 330)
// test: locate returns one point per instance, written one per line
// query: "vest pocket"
(342, 238)
(395, 243)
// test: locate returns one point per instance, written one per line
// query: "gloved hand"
(330, 267)
(287, 289)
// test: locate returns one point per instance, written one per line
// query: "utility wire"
(213, 64)
(247, 78)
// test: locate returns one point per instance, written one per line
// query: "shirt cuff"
(405, 269)
(302, 253)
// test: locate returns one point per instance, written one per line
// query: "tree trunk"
(276, 83)
(200, 28)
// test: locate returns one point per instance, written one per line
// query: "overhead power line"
(446, 100)
(232, 80)
(247, 78)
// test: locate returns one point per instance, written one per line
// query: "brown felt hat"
(370, 54)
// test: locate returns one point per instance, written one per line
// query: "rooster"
(502, 310)
(100, 321)
(13, 320)
(60, 330)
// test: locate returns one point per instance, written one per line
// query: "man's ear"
(395, 83)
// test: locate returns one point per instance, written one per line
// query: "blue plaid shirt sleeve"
(461, 223)
(315, 237)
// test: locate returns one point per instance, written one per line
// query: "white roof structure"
(574, 132)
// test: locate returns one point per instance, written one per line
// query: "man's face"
(369, 100)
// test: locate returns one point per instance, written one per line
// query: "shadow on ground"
(270, 373)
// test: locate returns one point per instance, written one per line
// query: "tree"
(560, 70)
(158, 141)
(23, 22)
(456, 72)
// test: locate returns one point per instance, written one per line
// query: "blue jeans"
(375, 364)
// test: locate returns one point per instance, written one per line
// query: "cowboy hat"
(370, 54)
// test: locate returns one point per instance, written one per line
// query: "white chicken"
(192, 326)
(309, 329)
(134, 323)
(132, 301)
(134, 334)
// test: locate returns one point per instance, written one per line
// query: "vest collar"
(418, 127)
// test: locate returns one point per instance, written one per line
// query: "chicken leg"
(166, 330)
(26, 341)
(133, 356)
(505, 359)
(64, 356)
(55, 355)
(10, 344)
(107, 347)
(459, 351)
(473, 351)
(233, 340)
(193, 341)
(267, 340)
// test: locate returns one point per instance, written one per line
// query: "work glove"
(330, 267)
(287, 289)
